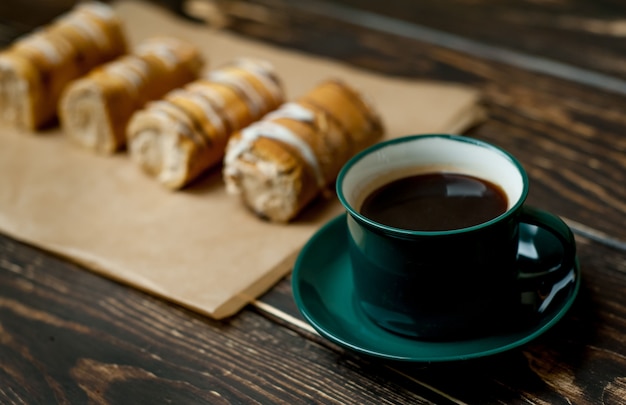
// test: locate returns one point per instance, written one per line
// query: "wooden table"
(554, 82)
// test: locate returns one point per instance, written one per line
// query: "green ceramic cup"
(456, 283)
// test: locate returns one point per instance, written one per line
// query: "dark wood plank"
(543, 29)
(18, 19)
(581, 360)
(69, 336)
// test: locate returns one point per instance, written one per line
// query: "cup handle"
(538, 288)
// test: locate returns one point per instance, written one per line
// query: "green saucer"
(323, 291)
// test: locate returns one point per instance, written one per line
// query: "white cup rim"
(520, 194)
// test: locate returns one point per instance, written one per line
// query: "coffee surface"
(435, 202)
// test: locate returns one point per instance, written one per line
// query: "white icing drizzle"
(207, 108)
(5, 62)
(130, 69)
(255, 101)
(42, 45)
(164, 50)
(86, 28)
(64, 46)
(101, 10)
(273, 130)
(180, 117)
(209, 92)
(180, 127)
(293, 111)
(212, 96)
(263, 72)
(139, 66)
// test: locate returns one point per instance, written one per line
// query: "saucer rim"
(526, 335)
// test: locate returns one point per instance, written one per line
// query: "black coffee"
(435, 202)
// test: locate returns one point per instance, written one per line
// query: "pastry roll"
(280, 164)
(35, 69)
(95, 109)
(177, 138)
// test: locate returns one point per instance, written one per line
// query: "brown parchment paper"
(199, 248)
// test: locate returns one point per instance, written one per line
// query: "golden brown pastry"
(95, 109)
(35, 69)
(180, 136)
(281, 163)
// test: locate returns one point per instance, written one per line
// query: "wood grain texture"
(18, 19)
(68, 336)
(583, 34)
(582, 360)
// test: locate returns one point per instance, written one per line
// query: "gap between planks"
(390, 25)
(291, 320)
(577, 228)
(595, 235)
